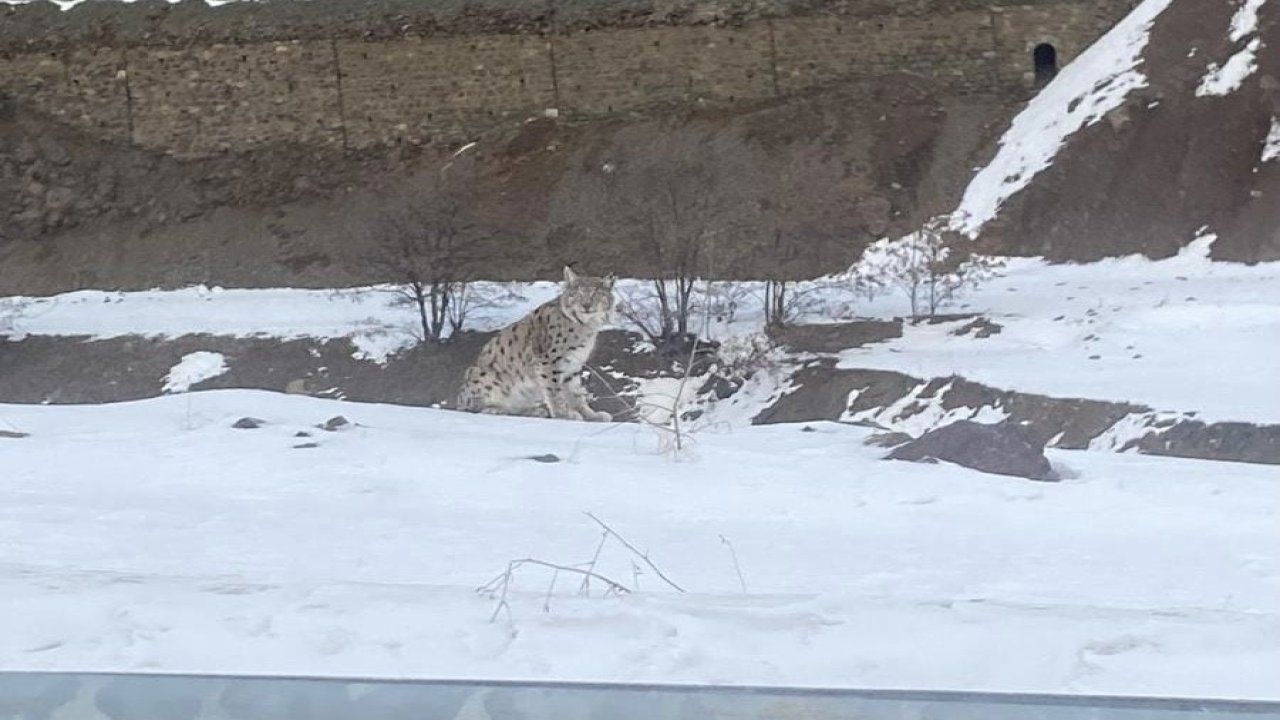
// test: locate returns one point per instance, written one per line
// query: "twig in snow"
(736, 567)
(551, 587)
(585, 587)
(632, 548)
(499, 587)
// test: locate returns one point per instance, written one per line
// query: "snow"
(1133, 426)
(1183, 334)
(1271, 149)
(204, 548)
(1228, 77)
(1245, 22)
(371, 317)
(1088, 88)
(194, 368)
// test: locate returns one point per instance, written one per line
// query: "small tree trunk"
(420, 299)
(775, 300)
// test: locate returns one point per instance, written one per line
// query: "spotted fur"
(533, 366)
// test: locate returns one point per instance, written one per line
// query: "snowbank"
(153, 536)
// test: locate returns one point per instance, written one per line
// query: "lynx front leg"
(576, 397)
(552, 398)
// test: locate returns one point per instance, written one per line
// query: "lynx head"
(587, 300)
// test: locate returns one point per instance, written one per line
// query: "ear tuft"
(569, 274)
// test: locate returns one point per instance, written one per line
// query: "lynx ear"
(569, 275)
(611, 280)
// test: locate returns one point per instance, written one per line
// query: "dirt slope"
(1168, 162)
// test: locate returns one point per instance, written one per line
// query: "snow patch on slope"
(1245, 21)
(1271, 149)
(1086, 90)
(915, 415)
(194, 368)
(1227, 78)
(1132, 428)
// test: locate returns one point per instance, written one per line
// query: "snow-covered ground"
(1183, 334)
(373, 318)
(152, 535)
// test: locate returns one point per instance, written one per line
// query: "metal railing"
(104, 696)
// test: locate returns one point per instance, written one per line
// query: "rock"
(1003, 449)
(306, 446)
(302, 433)
(248, 423)
(834, 337)
(981, 327)
(12, 434)
(335, 423)
(1231, 441)
(720, 387)
(545, 458)
(887, 439)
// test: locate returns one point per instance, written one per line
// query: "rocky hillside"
(803, 185)
(1165, 129)
(1192, 147)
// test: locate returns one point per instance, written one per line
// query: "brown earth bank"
(1167, 165)
(803, 185)
(814, 177)
(75, 370)
(43, 24)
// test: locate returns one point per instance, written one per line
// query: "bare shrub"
(678, 201)
(426, 245)
(11, 311)
(930, 267)
(803, 195)
(787, 302)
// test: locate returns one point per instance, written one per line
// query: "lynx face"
(587, 300)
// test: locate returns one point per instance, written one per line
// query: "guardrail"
(104, 696)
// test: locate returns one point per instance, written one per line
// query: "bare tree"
(427, 248)
(676, 199)
(804, 195)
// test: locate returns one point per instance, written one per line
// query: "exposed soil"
(821, 392)
(158, 22)
(71, 370)
(74, 370)
(80, 212)
(836, 172)
(834, 337)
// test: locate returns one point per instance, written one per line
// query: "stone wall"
(198, 81)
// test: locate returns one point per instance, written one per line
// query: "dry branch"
(643, 556)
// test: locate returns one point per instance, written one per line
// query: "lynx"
(532, 367)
